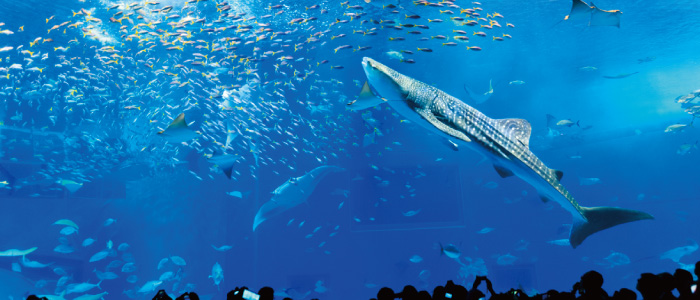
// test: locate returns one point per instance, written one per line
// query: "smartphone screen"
(248, 295)
(448, 295)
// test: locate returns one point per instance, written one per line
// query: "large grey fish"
(292, 193)
(504, 141)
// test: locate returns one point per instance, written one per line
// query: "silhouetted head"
(624, 294)
(649, 286)
(266, 293)
(459, 292)
(439, 292)
(162, 295)
(385, 293)
(668, 283)
(423, 295)
(551, 294)
(683, 279)
(697, 269)
(409, 292)
(591, 280)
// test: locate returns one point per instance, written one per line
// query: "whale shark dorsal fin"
(517, 129)
(503, 172)
(179, 122)
(559, 174)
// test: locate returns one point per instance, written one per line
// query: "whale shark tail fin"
(599, 218)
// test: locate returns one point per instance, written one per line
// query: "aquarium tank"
(328, 149)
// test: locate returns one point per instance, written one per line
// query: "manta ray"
(178, 131)
(596, 17)
(292, 193)
(365, 100)
(503, 141)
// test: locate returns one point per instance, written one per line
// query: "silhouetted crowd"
(663, 286)
(590, 287)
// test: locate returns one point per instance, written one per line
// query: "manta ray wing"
(480, 98)
(601, 17)
(365, 100)
(224, 162)
(579, 10)
(292, 193)
(178, 131)
(231, 134)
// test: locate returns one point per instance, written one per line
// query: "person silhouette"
(386, 293)
(668, 284)
(266, 293)
(162, 295)
(624, 294)
(649, 286)
(684, 281)
(409, 292)
(591, 287)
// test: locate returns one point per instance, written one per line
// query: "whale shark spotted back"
(504, 141)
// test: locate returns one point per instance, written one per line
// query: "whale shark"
(292, 193)
(504, 141)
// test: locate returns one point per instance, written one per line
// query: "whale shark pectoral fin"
(600, 218)
(503, 172)
(428, 116)
(517, 129)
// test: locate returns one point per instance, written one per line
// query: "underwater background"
(86, 178)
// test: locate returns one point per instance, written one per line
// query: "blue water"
(79, 141)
